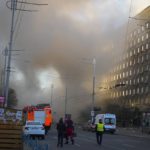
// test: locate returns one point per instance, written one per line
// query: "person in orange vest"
(47, 124)
(99, 131)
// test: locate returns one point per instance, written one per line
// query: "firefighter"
(99, 131)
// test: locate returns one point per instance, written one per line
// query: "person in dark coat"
(61, 131)
(69, 130)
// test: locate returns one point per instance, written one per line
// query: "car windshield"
(33, 123)
(110, 121)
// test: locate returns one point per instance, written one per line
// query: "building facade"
(129, 82)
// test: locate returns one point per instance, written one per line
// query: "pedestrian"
(99, 131)
(60, 130)
(69, 130)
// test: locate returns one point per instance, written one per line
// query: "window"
(147, 67)
(138, 80)
(146, 89)
(142, 90)
(123, 93)
(109, 121)
(126, 92)
(123, 65)
(146, 79)
(130, 72)
(133, 91)
(114, 95)
(138, 60)
(138, 40)
(134, 81)
(134, 52)
(142, 58)
(142, 79)
(138, 90)
(120, 75)
(123, 74)
(130, 82)
(134, 61)
(142, 48)
(127, 63)
(138, 50)
(142, 69)
(147, 46)
(134, 71)
(114, 77)
(127, 74)
(147, 25)
(130, 62)
(142, 28)
(137, 70)
(117, 76)
(130, 92)
(142, 38)
(130, 53)
(146, 35)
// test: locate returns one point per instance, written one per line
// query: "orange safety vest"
(48, 120)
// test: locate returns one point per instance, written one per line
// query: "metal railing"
(34, 144)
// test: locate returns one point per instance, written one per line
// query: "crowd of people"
(65, 129)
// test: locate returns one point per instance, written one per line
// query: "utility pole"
(4, 71)
(13, 8)
(93, 93)
(66, 102)
(52, 86)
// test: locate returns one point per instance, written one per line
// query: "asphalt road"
(87, 141)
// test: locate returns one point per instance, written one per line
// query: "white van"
(109, 121)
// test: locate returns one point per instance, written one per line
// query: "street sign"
(1, 99)
(92, 113)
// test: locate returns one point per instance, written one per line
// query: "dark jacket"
(61, 127)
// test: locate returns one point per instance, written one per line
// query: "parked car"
(88, 126)
(34, 128)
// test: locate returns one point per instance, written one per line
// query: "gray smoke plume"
(60, 41)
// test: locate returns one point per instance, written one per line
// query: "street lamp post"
(52, 86)
(93, 93)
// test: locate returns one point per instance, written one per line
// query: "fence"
(34, 144)
(10, 137)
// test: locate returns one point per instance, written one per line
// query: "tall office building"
(129, 82)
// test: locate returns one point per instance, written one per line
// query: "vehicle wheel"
(112, 132)
(43, 137)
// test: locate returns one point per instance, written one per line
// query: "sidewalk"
(136, 132)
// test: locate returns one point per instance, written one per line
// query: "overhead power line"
(13, 6)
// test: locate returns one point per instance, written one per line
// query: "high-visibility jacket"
(100, 127)
(48, 120)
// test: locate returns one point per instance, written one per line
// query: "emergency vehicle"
(39, 113)
(109, 121)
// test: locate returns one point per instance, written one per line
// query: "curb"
(134, 135)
